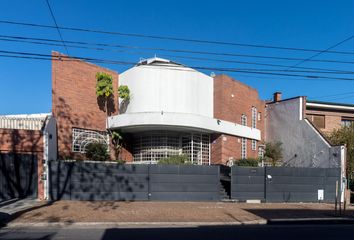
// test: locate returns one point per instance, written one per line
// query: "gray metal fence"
(18, 176)
(284, 184)
(109, 181)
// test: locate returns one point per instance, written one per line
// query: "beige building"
(328, 116)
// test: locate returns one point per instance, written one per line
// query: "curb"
(310, 221)
(131, 224)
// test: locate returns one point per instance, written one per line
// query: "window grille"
(254, 145)
(150, 147)
(254, 117)
(244, 120)
(243, 148)
(82, 137)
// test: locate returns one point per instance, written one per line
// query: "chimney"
(277, 96)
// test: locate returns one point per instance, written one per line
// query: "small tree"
(117, 142)
(273, 152)
(104, 88)
(345, 136)
(124, 94)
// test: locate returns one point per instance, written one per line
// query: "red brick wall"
(24, 141)
(74, 101)
(232, 99)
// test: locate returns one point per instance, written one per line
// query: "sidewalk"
(84, 213)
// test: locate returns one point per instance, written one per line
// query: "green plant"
(124, 92)
(249, 162)
(97, 151)
(273, 152)
(345, 136)
(176, 159)
(120, 161)
(104, 85)
(117, 138)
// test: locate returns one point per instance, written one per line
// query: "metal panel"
(18, 176)
(107, 181)
(300, 184)
(285, 184)
(247, 183)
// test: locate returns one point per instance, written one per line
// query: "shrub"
(177, 159)
(97, 151)
(120, 162)
(249, 162)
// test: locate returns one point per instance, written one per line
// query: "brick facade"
(75, 104)
(25, 142)
(232, 99)
(332, 118)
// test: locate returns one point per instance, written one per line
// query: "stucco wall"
(303, 146)
(178, 90)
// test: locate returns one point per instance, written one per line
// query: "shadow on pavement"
(298, 213)
(254, 232)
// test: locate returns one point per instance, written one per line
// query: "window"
(259, 116)
(151, 146)
(347, 121)
(244, 120)
(254, 145)
(317, 120)
(244, 148)
(261, 152)
(82, 137)
(254, 117)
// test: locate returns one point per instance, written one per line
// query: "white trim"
(316, 131)
(300, 109)
(321, 105)
(181, 120)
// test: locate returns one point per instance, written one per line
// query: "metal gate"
(18, 176)
(284, 184)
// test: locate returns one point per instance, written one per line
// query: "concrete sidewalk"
(110, 213)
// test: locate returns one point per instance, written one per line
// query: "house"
(328, 116)
(27, 143)
(173, 110)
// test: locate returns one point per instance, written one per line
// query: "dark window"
(317, 120)
(347, 121)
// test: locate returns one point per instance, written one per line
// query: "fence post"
(148, 179)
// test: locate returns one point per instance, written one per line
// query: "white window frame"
(254, 145)
(244, 120)
(243, 148)
(254, 117)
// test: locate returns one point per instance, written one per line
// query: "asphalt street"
(256, 232)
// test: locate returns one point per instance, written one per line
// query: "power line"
(56, 25)
(50, 43)
(169, 38)
(177, 67)
(319, 53)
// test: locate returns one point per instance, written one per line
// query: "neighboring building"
(328, 116)
(302, 143)
(31, 138)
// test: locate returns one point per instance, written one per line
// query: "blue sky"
(26, 84)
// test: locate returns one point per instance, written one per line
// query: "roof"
(158, 61)
(331, 103)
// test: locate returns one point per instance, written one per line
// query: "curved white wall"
(159, 88)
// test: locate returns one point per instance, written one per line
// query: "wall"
(74, 100)
(156, 89)
(283, 184)
(303, 145)
(25, 142)
(232, 99)
(332, 118)
(110, 181)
